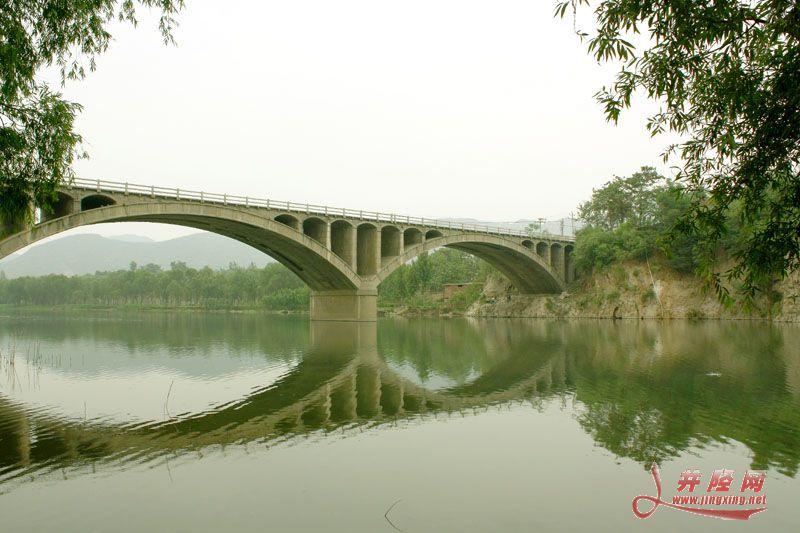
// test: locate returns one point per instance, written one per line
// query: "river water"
(246, 422)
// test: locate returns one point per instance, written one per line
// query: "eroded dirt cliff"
(634, 291)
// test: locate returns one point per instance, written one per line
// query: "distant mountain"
(132, 238)
(86, 254)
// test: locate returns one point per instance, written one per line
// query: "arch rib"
(521, 265)
(317, 266)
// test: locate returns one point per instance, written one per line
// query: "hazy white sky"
(438, 108)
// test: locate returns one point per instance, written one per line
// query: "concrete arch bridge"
(341, 254)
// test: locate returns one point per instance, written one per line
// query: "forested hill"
(87, 254)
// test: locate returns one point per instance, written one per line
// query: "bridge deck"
(153, 191)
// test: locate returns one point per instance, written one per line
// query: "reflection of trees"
(275, 336)
(646, 391)
(458, 348)
(650, 392)
(447, 347)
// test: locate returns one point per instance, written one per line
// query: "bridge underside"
(342, 259)
(305, 262)
(332, 297)
(529, 277)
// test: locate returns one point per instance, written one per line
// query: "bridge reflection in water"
(644, 391)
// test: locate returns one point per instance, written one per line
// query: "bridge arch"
(63, 205)
(320, 269)
(288, 220)
(528, 272)
(317, 229)
(411, 237)
(390, 242)
(95, 201)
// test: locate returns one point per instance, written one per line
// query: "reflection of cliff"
(645, 391)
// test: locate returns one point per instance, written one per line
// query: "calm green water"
(212, 422)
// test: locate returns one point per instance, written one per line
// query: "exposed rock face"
(633, 290)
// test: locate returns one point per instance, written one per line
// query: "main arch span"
(341, 254)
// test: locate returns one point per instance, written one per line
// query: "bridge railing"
(154, 191)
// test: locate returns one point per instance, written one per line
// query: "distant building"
(451, 289)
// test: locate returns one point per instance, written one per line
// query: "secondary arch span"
(317, 266)
(522, 266)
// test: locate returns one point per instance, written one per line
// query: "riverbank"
(627, 290)
(634, 291)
